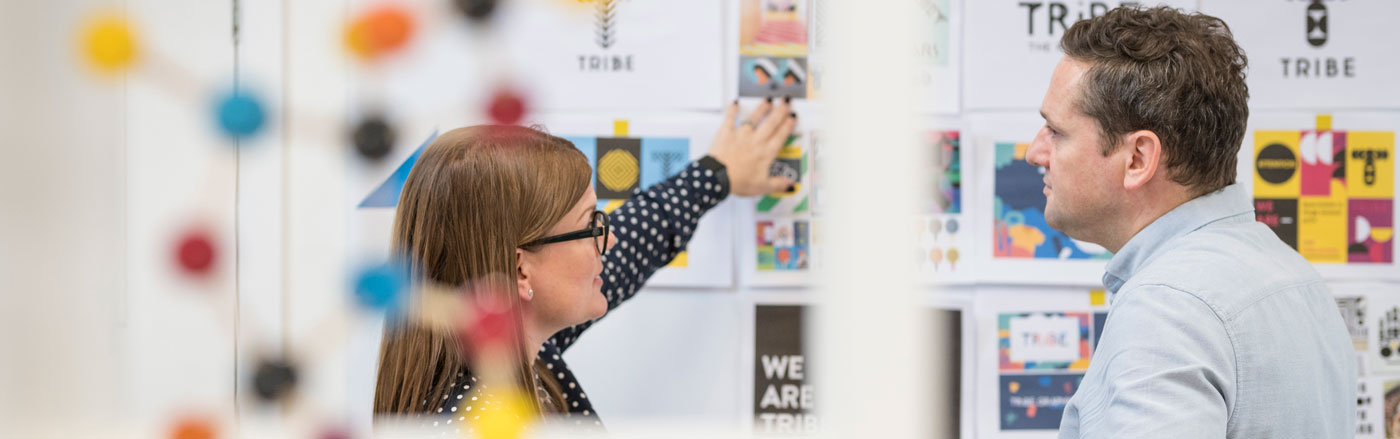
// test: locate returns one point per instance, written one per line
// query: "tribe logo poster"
(782, 399)
(1025, 36)
(1328, 193)
(1316, 53)
(1042, 357)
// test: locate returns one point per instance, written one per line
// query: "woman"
(514, 200)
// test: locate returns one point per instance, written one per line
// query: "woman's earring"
(532, 293)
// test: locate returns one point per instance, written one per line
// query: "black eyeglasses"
(598, 230)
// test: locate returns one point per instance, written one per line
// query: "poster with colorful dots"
(1015, 242)
(944, 235)
(1034, 346)
(1325, 184)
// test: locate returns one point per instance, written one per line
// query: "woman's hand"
(747, 151)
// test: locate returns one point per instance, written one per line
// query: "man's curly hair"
(1179, 75)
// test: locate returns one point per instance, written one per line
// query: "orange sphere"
(193, 428)
(380, 31)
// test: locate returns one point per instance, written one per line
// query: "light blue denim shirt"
(1217, 329)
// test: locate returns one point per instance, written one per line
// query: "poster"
(786, 247)
(1325, 184)
(1353, 309)
(944, 237)
(1025, 37)
(1387, 347)
(773, 48)
(1019, 226)
(1370, 402)
(1391, 412)
(1316, 54)
(575, 55)
(936, 47)
(782, 399)
(939, 52)
(632, 153)
(1014, 242)
(1034, 346)
(786, 226)
(615, 54)
(951, 370)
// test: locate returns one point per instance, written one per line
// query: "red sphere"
(506, 107)
(195, 253)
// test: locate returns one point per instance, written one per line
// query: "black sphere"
(374, 138)
(274, 379)
(476, 9)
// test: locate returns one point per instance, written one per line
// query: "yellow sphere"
(507, 418)
(108, 44)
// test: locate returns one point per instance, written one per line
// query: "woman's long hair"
(473, 197)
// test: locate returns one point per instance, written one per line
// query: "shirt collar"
(1184, 219)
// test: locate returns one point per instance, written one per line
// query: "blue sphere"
(380, 287)
(240, 115)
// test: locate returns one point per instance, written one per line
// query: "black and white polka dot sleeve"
(652, 227)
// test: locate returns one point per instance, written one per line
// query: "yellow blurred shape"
(109, 44)
(505, 417)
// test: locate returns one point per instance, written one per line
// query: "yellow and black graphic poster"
(1328, 193)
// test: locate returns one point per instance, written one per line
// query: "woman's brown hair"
(473, 197)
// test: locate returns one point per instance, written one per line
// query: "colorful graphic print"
(773, 48)
(783, 244)
(1328, 193)
(1019, 226)
(625, 164)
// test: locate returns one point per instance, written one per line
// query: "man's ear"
(1144, 157)
(523, 269)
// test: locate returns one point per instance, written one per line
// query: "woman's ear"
(522, 276)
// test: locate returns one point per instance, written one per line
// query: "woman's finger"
(730, 115)
(757, 116)
(770, 123)
(777, 185)
(779, 137)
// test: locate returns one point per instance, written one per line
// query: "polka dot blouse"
(652, 226)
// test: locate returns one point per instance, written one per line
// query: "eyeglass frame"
(599, 217)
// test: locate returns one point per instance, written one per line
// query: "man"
(1217, 328)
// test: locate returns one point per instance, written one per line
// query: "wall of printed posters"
(639, 87)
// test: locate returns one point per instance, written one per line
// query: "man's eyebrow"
(1048, 122)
